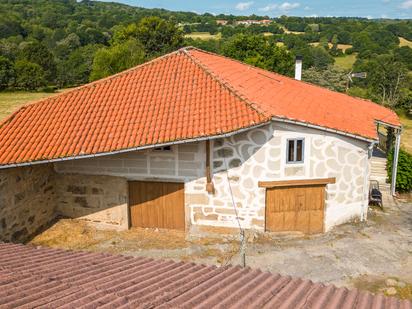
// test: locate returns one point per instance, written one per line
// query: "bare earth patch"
(359, 254)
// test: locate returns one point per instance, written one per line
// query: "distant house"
(192, 141)
(222, 22)
(253, 22)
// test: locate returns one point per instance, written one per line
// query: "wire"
(242, 231)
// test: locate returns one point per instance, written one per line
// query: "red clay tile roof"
(184, 95)
(50, 278)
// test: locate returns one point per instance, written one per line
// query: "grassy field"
(343, 47)
(406, 139)
(345, 62)
(405, 42)
(204, 36)
(11, 101)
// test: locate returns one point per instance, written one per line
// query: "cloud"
(285, 6)
(406, 4)
(269, 7)
(242, 6)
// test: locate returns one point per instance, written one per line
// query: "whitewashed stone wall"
(260, 154)
(184, 163)
(244, 160)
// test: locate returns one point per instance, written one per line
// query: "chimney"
(298, 68)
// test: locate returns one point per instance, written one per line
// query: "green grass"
(12, 101)
(204, 36)
(406, 138)
(345, 62)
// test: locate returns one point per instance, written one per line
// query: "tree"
(257, 51)
(76, 69)
(155, 34)
(38, 53)
(6, 72)
(386, 77)
(331, 78)
(404, 54)
(29, 76)
(111, 60)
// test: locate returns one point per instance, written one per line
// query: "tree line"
(64, 43)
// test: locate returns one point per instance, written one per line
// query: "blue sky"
(359, 8)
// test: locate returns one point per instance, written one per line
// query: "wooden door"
(157, 205)
(295, 208)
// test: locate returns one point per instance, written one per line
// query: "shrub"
(29, 76)
(404, 174)
(349, 51)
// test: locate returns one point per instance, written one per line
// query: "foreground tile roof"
(184, 95)
(51, 278)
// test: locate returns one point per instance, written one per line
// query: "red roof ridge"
(290, 78)
(222, 82)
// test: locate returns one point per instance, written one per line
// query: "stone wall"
(183, 163)
(27, 201)
(99, 199)
(243, 160)
(260, 154)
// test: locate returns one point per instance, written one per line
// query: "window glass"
(295, 150)
(291, 150)
(299, 150)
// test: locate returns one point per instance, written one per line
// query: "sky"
(357, 8)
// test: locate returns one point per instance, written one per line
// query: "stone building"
(190, 141)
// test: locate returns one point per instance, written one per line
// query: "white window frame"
(295, 140)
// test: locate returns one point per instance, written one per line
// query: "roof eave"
(145, 147)
(318, 127)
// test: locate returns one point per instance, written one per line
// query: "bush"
(349, 51)
(29, 76)
(404, 174)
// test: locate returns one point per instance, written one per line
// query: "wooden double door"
(295, 208)
(157, 205)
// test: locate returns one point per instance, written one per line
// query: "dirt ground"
(375, 255)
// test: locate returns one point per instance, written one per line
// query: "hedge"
(404, 175)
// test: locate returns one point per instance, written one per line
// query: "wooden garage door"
(295, 208)
(157, 205)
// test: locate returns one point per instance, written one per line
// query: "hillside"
(63, 43)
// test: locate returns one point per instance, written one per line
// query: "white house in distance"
(192, 141)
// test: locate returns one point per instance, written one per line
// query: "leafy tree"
(38, 53)
(257, 51)
(331, 78)
(76, 69)
(404, 54)
(386, 78)
(111, 60)
(344, 37)
(29, 76)
(157, 35)
(6, 72)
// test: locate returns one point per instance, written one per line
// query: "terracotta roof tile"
(50, 278)
(186, 94)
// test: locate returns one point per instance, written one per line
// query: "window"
(295, 150)
(165, 148)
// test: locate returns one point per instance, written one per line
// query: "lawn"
(405, 42)
(343, 47)
(406, 138)
(204, 36)
(11, 101)
(345, 62)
